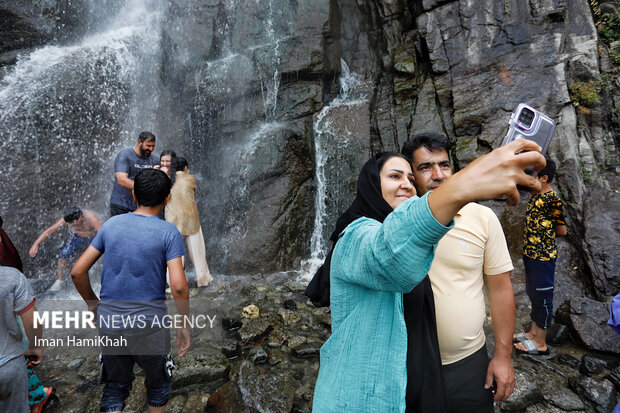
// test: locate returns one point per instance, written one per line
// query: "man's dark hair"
(71, 213)
(1, 222)
(151, 187)
(146, 136)
(431, 141)
(385, 156)
(548, 170)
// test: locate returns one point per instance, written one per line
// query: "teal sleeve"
(394, 256)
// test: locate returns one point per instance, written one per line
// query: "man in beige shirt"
(474, 247)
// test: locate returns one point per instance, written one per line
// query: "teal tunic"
(363, 363)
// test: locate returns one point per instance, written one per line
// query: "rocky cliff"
(278, 103)
(252, 93)
(450, 66)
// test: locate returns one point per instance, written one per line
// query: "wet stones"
(276, 338)
(206, 366)
(254, 329)
(249, 391)
(601, 393)
(306, 350)
(590, 366)
(251, 311)
(231, 324)
(558, 334)
(257, 355)
(288, 317)
(230, 348)
(563, 398)
(567, 360)
(75, 364)
(526, 393)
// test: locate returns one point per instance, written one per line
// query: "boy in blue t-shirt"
(137, 248)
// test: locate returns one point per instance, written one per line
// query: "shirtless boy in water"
(84, 225)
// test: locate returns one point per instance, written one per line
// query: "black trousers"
(464, 381)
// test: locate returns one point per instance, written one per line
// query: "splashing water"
(68, 110)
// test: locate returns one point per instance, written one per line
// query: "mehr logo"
(64, 319)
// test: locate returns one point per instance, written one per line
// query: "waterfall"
(323, 137)
(237, 112)
(67, 110)
(226, 84)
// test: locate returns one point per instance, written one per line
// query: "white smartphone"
(528, 123)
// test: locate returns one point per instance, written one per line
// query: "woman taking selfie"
(382, 357)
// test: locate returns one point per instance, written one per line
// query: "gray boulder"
(588, 322)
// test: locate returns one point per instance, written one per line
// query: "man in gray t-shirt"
(127, 164)
(16, 299)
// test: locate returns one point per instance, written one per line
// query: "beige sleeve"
(496, 255)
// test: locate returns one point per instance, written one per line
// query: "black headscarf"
(425, 387)
(368, 202)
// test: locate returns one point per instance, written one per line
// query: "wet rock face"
(28, 24)
(251, 90)
(553, 384)
(449, 66)
(602, 259)
(243, 87)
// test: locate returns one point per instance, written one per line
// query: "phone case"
(528, 123)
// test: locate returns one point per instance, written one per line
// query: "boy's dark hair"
(151, 187)
(548, 170)
(383, 157)
(71, 213)
(1, 222)
(431, 141)
(146, 136)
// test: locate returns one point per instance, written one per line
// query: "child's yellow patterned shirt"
(544, 212)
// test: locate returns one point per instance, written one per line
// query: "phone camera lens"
(526, 117)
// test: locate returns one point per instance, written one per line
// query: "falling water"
(236, 111)
(348, 96)
(271, 100)
(69, 109)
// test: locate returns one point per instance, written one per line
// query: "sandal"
(49, 397)
(530, 348)
(519, 337)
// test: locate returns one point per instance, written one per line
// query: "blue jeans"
(539, 279)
